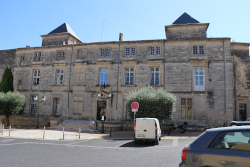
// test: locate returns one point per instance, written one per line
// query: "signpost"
(134, 106)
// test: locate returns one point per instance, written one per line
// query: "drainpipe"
(118, 62)
(69, 82)
(225, 100)
(164, 67)
(234, 75)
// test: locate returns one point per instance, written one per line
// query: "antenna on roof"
(102, 29)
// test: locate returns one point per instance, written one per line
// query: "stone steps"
(74, 127)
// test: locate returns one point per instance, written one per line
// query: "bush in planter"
(153, 103)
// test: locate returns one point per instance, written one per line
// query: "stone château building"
(209, 76)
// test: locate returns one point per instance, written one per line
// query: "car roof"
(229, 128)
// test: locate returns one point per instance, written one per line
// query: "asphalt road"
(95, 152)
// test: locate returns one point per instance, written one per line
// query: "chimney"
(120, 37)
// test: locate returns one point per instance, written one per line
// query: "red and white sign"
(135, 105)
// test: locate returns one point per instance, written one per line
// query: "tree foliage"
(11, 103)
(6, 84)
(152, 103)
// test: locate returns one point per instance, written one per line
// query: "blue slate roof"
(64, 28)
(185, 19)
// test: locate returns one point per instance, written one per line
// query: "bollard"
(43, 132)
(63, 133)
(9, 129)
(79, 132)
(2, 129)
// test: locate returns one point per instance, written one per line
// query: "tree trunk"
(7, 120)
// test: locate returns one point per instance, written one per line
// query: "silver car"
(219, 147)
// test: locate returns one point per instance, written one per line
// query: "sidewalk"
(31, 133)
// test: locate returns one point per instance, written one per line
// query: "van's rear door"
(145, 128)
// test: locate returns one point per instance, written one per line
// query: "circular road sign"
(135, 105)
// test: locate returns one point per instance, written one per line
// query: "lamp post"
(104, 100)
(38, 102)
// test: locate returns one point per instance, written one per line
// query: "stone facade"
(209, 76)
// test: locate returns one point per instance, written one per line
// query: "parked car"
(227, 146)
(240, 123)
(147, 129)
(248, 119)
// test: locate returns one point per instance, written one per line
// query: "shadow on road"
(139, 145)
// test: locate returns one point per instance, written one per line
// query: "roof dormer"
(62, 35)
(186, 27)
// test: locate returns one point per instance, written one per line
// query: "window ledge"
(58, 85)
(128, 85)
(103, 85)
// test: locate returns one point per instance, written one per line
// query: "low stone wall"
(19, 120)
(129, 126)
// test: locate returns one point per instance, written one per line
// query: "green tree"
(6, 84)
(152, 103)
(11, 103)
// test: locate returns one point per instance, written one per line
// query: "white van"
(147, 129)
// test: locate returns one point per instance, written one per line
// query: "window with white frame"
(59, 77)
(103, 76)
(155, 51)
(154, 76)
(199, 79)
(32, 105)
(186, 108)
(129, 76)
(36, 77)
(130, 52)
(61, 55)
(38, 56)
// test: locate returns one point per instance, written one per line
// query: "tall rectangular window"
(36, 77)
(79, 53)
(158, 51)
(199, 78)
(102, 52)
(132, 52)
(107, 52)
(129, 76)
(195, 50)
(103, 76)
(127, 52)
(152, 51)
(186, 108)
(59, 77)
(154, 76)
(32, 105)
(201, 48)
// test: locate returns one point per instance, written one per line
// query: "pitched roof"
(64, 28)
(185, 19)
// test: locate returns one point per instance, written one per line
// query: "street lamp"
(38, 102)
(101, 96)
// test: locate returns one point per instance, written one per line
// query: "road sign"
(134, 110)
(135, 105)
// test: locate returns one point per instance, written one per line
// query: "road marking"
(175, 143)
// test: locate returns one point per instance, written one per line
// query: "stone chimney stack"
(120, 37)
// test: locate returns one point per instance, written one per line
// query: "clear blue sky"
(23, 21)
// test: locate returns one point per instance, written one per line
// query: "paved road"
(89, 152)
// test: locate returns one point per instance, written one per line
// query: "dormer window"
(61, 55)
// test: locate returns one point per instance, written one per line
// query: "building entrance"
(99, 113)
(242, 112)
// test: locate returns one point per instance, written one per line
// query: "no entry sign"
(135, 105)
